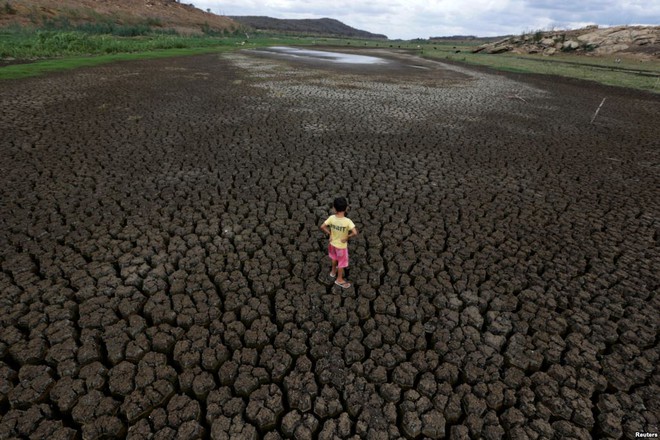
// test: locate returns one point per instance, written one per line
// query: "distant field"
(628, 73)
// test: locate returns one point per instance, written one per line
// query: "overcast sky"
(409, 19)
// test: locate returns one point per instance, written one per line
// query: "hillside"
(321, 26)
(164, 14)
(636, 41)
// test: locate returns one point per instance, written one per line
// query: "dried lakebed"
(163, 276)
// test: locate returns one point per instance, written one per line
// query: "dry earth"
(163, 275)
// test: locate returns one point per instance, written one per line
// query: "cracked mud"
(163, 276)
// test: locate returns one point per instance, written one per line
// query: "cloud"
(407, 19)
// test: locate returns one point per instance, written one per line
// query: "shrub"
(131, 31)
(538, 35)
(8, 9)
(165, 32)
(96, 28)
(63, 42)
(210, 32)
(33, 15)
(56, 23)
(153, 22)
(589, 47)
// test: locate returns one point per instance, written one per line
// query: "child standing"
(339, 228)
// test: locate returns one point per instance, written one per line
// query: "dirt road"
(163, 275)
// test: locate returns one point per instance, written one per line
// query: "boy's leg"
(333, 256)
(342, 263)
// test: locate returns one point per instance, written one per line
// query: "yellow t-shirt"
(339, 229)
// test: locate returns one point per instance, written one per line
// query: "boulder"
(595, 38)
(498, 49)
(610, 49)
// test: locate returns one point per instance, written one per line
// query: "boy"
(339, 228)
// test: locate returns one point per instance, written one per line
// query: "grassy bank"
(33, 53)
(627, 73)
(64, 51)
(56, 65)
(22, 45)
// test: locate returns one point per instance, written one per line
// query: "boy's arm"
(353, 233)
(325, 229)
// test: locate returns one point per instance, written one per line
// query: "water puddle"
(322, 55)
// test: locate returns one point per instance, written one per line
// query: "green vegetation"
(102, 25)
(50, 44)
(628, 73)
(106, 28)
(538, 35)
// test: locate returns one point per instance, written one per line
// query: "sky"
(408, 19)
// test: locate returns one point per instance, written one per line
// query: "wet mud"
(163, 275)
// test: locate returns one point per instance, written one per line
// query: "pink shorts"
(339, 255)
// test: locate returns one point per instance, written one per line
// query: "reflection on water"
(318, 55)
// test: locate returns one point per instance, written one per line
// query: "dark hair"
(340, 204)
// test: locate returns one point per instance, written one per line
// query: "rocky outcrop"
(590, 40)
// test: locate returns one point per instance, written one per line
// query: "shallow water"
(322, 55)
